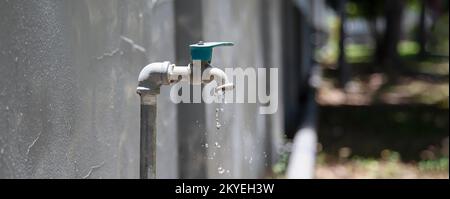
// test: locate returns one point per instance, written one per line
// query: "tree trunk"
(344, 70)
(394, 14)
(422, 32)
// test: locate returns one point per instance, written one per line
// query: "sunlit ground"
(373, 169)
(382, 168)
(378, 127)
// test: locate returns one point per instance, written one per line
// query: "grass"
(357, 53)
(390, 167)
(438, 165)
(279, 169)
(408, 48)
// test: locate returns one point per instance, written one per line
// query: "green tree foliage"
(369, 9)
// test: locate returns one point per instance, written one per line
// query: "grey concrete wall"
(68, 73)
(191, 117)
(246, 142)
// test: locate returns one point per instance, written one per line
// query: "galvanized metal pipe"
(148, 137)
(150, 80)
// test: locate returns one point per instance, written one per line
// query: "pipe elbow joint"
(152, 77)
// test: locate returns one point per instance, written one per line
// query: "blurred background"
(363, 88)
(383, 99)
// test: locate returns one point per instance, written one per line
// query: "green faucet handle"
(203, 50)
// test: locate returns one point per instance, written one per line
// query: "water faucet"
(154, 75)
(164, 73)
(201, 54)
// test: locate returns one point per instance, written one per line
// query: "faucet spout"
(223, 84)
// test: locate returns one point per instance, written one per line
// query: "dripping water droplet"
(218, 125)
(221, 170)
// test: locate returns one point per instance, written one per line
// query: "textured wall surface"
(68, 74)
(241, 147)
(68, 70)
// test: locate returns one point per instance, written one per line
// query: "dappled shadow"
(366, 131)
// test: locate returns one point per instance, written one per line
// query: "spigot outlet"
(220, 77)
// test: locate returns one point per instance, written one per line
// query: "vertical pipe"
(148, 137)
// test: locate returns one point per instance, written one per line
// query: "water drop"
(218, 125)
(221, 170)
(218, 145)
